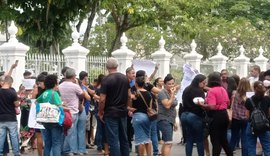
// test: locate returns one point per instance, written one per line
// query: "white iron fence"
(95, 65)
(38, 63)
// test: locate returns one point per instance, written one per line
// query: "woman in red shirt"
(217, 101)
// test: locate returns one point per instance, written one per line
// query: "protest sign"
(147, 65)
(189, 74)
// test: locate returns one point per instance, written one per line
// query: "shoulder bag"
(47, 112)
(152, 113)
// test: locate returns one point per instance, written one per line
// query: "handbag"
(67, 121)
(47, 112)
(152, 113)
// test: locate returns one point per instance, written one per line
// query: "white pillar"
(193, 58)
(11, 51)
(219, 60)
(241, 63)
(123, 55)
(76, 54)
(261, 60)
(162, 57)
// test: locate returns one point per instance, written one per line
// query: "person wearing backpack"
(258, 125)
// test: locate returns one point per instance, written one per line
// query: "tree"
(46, 23)
(128, 14)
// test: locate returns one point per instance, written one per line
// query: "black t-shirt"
(187, 99)
(7, 106)
(147, 86)
(115, 86)
(139, 104)
(264, 104)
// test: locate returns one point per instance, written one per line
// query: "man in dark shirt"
(8, 120)
(227, 82)
(114, 96)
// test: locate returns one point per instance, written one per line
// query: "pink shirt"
(218, 96)
(69, 92)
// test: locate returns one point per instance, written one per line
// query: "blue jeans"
(252, 141)
(100, 138)
(6, 146)
(81, 132)
(53, 139)
(116, 130)
(194, 132)
(154, 137)
(10, 126)
(239, 127)
(70, 143)
(141, 125)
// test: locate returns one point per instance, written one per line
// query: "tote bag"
(47, 113)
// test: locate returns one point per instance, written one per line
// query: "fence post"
(76, 54)
(162, 57)
(123, 55)
(194, 58)
(219, 60)
(14, 50)
(261, 60)
(241, 63)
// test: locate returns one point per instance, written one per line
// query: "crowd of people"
(113, 112)
(221, 106)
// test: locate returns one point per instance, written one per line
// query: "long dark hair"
(214, 79)
(197, 79)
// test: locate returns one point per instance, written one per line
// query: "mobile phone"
(16, 62)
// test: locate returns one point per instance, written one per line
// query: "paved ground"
(177, 149)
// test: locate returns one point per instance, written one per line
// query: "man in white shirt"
(255, 71)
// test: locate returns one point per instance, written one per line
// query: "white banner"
(147, 65)
(32, 123)
(189, 74)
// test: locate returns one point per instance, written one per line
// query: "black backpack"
(259, 122)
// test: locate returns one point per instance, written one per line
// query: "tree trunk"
(78, 26)
(89, 24)
(116, 42)
(6, 27)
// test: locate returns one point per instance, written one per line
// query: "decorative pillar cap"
(75, 36)
(124, 40)
(242, 56)
(193, 46)
(161, 52)
(261, 57)
(219, 55)
(123, 51)
(193, 54)
(75, 49)
(12, 30)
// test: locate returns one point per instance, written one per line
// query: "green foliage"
(44, 24)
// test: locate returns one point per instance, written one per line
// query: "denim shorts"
(141, 125)
(166, 129)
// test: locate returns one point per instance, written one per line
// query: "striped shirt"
(69, 92)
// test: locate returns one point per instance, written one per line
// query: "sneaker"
(100, 152)
(88, 146)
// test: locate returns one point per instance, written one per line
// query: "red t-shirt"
(219, 97)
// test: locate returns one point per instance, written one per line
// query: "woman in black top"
(140, 120)
(262, 102)
(192, 117)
